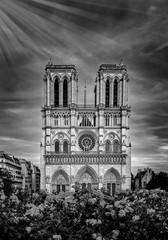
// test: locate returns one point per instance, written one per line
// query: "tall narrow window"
(94, 120)
(107, 93)
(57, 147)
(65, 93)
(107, 120)
(115, 102)
(108, 146)
(56, 93)
(56, 121)
(115, 120)
(116, 147)
(65, 147)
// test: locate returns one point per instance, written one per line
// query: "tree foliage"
(159, 180)
(85, 215)
(6, 181)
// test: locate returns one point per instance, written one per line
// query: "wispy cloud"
(87, 34)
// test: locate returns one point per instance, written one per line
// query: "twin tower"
(86, 144)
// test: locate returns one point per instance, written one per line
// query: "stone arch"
(115, 172)
(63, 76)
(57, 76)
(55, 137)
(89, 170)
(62, 172)
(111, 136)
(60, 181)
(112, 180)
(116, 77)
(65, 146)
(108, 147)
(116, 146)
(57, 146)
(108, 77)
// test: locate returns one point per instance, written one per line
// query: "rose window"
(86, 142)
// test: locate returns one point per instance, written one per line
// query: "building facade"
(88, 144)
(143, 177)
(27, 174)
(35, 178)
(13, 165)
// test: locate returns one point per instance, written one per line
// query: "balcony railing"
(89, 158)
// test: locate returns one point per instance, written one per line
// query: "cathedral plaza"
(86, 144)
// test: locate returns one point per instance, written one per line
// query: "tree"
(6, 181)
(159, 180)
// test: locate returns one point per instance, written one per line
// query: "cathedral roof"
(112, 67)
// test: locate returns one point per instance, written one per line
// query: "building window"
(56, 93)
(107, 93)
(115, 120)
(65, 147)
(115, 97)
(94, 120)
(65, 120)
(107, 120)
(65, 93)
(116, 147)
(108, 146)
(56, 121)
(57, 147)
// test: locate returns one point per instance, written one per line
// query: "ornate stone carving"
(86, 142)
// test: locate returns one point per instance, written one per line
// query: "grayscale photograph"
(84, 120)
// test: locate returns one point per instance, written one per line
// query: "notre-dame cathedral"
(88, 144)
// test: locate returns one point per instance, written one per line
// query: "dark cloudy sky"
(86, 33)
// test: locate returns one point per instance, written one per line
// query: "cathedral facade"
(87, 144)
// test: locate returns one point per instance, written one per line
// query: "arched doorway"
(87, 177)
(112, 181)
(60, 181)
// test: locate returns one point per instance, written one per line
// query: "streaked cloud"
(87, 34)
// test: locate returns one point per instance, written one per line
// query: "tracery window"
(107, 120)
(115, 120)
(115, 96)
(107, 93)
(56, 121)
(65, 93)
(56, 93)
(108, 146)
(86, 142)
(57, 146)
(65, 120)
(65, 147)
(85, 121)
(116, 146)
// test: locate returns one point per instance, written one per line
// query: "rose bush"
(85, 215)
